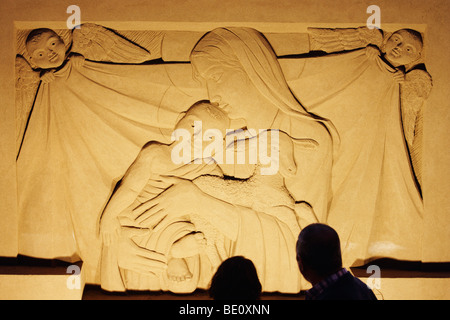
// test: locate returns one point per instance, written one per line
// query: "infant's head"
(403, 47)
(45, 48)
(203, 121)
(210, 115)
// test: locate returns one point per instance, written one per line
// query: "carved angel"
(86, 104)
(402, 49)
(45, 51)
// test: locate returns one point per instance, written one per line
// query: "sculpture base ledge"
(24, 282)
(400, 280)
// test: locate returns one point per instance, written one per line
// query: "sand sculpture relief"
(153, 172)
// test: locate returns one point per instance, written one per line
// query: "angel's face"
(402, 48)
(47, 51)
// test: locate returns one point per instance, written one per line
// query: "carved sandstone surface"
(96, 180)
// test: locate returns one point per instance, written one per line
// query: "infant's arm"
(133, 181)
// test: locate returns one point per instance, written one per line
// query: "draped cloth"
(88, 126)
(376, 206)
(86, 129)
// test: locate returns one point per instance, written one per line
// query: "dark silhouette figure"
(235, 279)
(320, 262)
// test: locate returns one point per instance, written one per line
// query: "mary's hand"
(181, 199)
(133, 257)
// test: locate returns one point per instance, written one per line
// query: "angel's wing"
(415, 91)
(334, 40)
(27, 84)
(98, 43)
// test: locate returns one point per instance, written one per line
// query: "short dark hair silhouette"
(319, 249)
(235, 279)
(320, 262)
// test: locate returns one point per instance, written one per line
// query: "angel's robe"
(85, 130)
(376, 207)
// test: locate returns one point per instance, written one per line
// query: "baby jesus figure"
(180, 242)
(152, 173)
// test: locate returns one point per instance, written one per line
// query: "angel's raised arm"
(98, 43)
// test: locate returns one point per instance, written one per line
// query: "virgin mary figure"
(244, 78)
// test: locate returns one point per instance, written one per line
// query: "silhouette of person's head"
(236, 279)
(318, 252)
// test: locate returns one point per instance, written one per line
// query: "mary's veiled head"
(242, 72)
